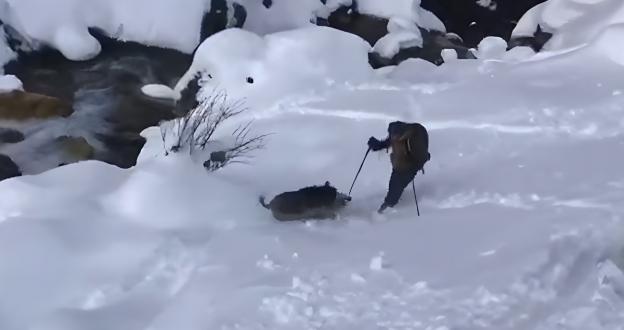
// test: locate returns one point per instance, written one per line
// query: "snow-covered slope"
(521, 224)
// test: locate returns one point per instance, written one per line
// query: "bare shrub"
(194, 131)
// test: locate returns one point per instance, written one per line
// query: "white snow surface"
(307, 58)
(405, 9)
(575, 23)
(9, 83)
(521, 215)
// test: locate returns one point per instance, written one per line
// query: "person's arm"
(376, 145)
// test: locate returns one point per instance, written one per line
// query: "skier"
(410, 152)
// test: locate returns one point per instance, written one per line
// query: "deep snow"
(521, 224)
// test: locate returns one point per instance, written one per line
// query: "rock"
(433, 44)
(20, 105)
(124, 148)
(8, 169)
(215, 20)
(74, 149)
(367, 27)
(474, 20)
(536, 41)
(9, 135)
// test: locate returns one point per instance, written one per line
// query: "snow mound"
(264, 69)
(491, 48)
(10, 83)
(574, 23)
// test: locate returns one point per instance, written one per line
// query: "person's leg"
(398, 181)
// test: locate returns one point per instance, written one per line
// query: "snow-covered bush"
(195, 131)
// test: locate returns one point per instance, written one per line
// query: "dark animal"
(315, 202)
(410, 152)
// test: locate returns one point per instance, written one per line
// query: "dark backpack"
(417, 146)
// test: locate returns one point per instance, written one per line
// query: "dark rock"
(369, 28)
(8, 169)
(433, 44)
(74, 148)
(9, 135)
(188, 97)
(20, 105)
(267, 3)
(537, 41)
(240, 15)
(122, 149)
(473, 22)
(215, 20)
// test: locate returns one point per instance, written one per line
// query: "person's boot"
(382, 208)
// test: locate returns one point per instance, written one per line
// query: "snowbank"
(573, 22)
(264, 69)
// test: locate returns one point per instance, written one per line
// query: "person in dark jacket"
(410, 152)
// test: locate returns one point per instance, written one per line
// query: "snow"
(229, 58)
(160, 91)
(491, 48)
(390, 44)
(574, 23)
(521, 215)
(9, 83)
(402, 9)
(449, 55)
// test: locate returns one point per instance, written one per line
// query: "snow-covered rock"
(393, 42)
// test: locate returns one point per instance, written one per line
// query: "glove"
(374, 144)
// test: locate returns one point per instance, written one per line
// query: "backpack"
(417, 146)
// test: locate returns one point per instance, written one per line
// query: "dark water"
(109, 108)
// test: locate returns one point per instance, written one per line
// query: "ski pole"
(415, 198)
(359, 170)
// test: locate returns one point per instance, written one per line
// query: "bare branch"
(196, 128)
